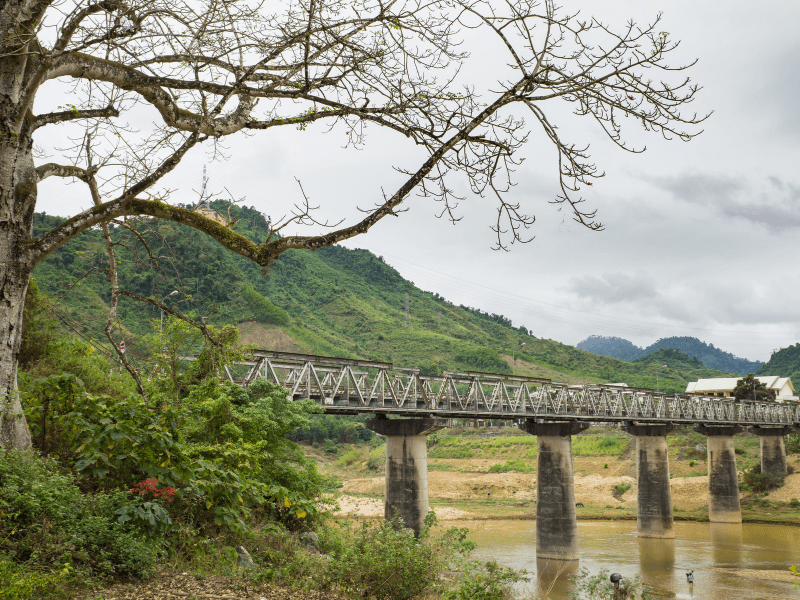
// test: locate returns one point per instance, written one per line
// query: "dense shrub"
(222, 448)
(45, 520)
(760, 483)
(383, 561)
(487, 581)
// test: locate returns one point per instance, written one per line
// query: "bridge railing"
(354, 386)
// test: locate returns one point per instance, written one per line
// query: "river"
(730, 562)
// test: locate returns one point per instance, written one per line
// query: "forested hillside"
(785, 363)
(335, 301)
(711, 357)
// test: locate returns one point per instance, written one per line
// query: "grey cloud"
(775, 219)
(774, 204)
(614, 288)
(699, 188)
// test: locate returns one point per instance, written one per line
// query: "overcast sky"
(701, 238)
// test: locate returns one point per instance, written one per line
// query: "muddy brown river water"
(730, 562)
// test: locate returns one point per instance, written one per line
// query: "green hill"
(335, 301)
(784, 363)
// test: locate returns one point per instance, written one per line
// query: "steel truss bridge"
(344, 386)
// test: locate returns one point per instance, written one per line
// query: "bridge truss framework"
(345, 386)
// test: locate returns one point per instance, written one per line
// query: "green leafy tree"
(750, 388)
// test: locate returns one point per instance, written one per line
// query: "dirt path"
(171, 585)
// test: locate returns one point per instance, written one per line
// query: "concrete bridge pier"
(773, 448)
(406, 467)
(723, 483)
(654, 497)
(556, 525)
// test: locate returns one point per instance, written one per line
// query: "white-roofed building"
(723, 387)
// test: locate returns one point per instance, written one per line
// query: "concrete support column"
(556, 525)
(723, 483)
(406, 467)
(654, 497)
(773, 448)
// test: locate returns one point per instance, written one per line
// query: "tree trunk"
(18, 183)
(14, 280)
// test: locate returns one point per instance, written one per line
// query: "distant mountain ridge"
(711, 357)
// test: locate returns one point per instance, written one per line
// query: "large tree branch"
(72, 115)
(268, 251)
(56, 170)
(84, 66)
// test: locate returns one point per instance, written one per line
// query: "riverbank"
(493, 476)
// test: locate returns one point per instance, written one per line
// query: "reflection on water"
(553, 576)
(715, 552)
(655, 557)
(726, 540)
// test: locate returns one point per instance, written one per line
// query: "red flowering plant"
(149, 486)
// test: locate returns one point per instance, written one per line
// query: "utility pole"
(202, 201)
(439, 318)
(514, 359)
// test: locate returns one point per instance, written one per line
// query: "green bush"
(621, 488)
(487, 581)
(598, 587)
(376, 461)
(794, 503)
(383, 561)
(22, 582)
(46, 522)
(121, 443)
(350, 457)
(760, 483)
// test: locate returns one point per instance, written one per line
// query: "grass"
(693, 474)
(351, 456)
(517, 465)
(458, 447)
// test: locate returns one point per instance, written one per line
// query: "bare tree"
(207, 69)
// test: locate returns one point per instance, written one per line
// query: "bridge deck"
(344, 386)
